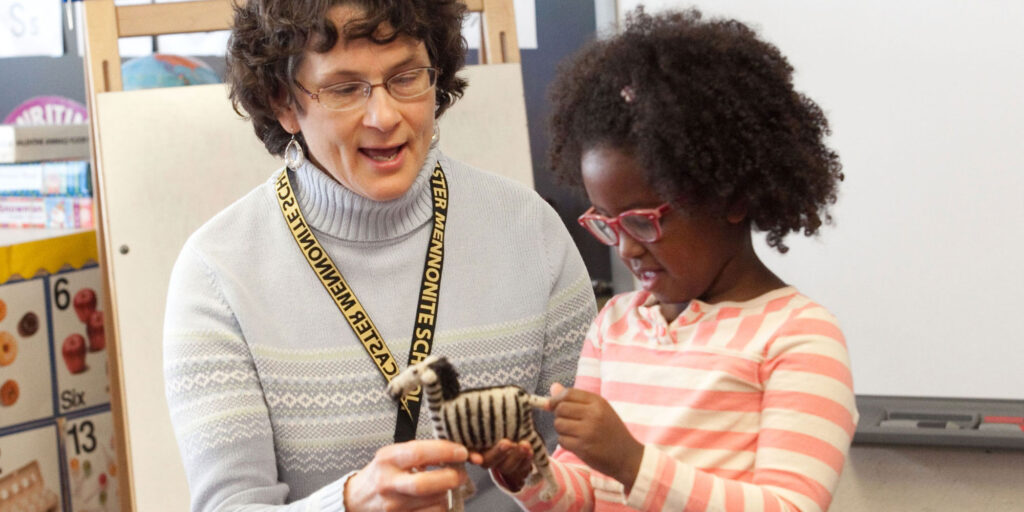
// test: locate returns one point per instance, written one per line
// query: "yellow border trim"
(27, 259)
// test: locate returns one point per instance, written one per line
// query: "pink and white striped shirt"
(740, 406)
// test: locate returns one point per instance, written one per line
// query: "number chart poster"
(57, 444)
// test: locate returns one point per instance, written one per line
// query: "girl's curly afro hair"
(711, 114)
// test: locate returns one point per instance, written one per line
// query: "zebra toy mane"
(448, 377)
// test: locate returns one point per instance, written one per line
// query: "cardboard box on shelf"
(39, 143)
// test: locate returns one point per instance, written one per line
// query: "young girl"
(716, 386)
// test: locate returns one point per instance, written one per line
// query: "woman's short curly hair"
(709, 111)
(268, 39)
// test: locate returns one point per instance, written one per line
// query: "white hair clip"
(628, 94)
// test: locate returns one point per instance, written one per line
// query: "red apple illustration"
(85, 304)
(74, 353)
(94, 328)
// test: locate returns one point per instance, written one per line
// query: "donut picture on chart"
(8, 348)
(26, 383)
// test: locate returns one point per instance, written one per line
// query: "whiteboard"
(171, 159)
(923, 265)
(174, 157)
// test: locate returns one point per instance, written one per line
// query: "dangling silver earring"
(436, 137)
(293, 156)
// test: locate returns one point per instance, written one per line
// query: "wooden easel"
(103, 24)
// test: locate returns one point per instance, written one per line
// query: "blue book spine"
(45, 179)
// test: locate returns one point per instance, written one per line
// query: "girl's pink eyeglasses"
(642, 224)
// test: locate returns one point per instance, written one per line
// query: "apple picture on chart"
(79, 339)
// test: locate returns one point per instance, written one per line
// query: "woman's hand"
(398, 479)
(509, 461)
(588, 427)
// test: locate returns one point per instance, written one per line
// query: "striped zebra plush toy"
(476, 418)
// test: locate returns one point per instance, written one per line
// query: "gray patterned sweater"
(272, 396)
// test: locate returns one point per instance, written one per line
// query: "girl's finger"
(558, 393)
(567, 427)
(572, 410)
(561, 394)
(521, 467)
(495, 454)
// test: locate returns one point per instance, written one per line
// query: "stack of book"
(45, 177)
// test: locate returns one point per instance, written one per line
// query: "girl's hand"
(588, 427)
(509, 461)
(398, 479)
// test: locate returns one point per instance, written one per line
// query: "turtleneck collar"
(333, 209)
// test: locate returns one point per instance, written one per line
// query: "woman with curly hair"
(290, 310)
(716, 386)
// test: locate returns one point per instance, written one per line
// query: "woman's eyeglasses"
(406, 85)
(642, 224)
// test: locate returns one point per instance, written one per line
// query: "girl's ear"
(737, 211)
(286, 113)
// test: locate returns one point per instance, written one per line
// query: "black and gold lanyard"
(352, 310)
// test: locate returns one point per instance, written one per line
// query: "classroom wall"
(22, 78)
(919, 479)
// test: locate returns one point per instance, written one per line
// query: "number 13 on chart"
(91, 462)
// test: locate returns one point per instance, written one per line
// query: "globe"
(164, 70)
